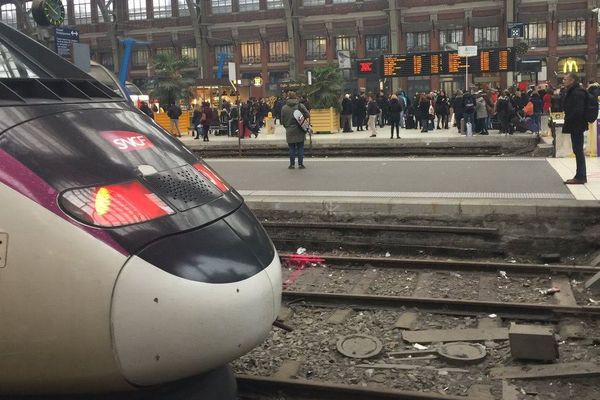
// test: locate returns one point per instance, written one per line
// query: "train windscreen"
(11, 66)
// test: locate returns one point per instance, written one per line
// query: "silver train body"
(125, 261)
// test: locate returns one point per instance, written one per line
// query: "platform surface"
(426, 178)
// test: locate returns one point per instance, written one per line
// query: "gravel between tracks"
(313, 342)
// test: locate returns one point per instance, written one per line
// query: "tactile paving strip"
(427, 195)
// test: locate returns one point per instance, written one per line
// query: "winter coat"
(395, 110)
(293, 132)
(424, 109)
(372, 108)
(538, 104)
(441, 105)
(480, 108)
(458, 105)
(504, 108)
(574, 106)
(594, 90)
(468, 98)
(346, 106)
(556, 103)
(546, 102)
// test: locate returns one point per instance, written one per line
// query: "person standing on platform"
(395, 113)
(294, 134)
(424, 104)
(575, 124)
(347, 114)
(146, 110)
(441, 110)
(469, 111)
(196, 119)
(482, 114)
(458, 107)
(174, 112)
(505, 111)
(373, 112)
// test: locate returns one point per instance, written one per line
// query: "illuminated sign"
(257, 81)
(447, 63)
(570, 66)
(367, 67)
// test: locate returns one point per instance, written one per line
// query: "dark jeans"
(443, 118)
(296, 150)
(424, 123)
(482, 126)
(577, 143)
(457, 119)
(505, 125)
(395, 124)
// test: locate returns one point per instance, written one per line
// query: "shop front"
(568, 65)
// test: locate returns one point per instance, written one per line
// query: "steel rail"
(464, 230)
(445, 306)
(453, 265)
(321, 390)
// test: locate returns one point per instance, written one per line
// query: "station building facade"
(279, 39)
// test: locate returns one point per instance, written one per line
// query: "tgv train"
(125, 261)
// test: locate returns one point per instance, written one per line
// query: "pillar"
(434, 45)
(591, 32)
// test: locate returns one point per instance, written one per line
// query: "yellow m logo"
(570, 66)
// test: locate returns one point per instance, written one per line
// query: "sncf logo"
(127, 141)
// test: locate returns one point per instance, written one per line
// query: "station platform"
(412, 142)
(523, 199)
(523, 179)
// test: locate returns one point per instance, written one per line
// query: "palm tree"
(326, 89)
(172, 82)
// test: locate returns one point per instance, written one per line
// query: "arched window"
(8, 14)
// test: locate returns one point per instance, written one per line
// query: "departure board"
(447, 63)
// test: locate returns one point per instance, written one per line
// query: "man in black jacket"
(347, 113)
(575, 124)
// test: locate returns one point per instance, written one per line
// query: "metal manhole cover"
(359, 346)
(462, 353)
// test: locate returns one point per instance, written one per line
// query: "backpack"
(469, 104)
(301, 120)
(528, 109)
(591, 108)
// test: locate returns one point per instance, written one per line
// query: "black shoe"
(373, 135)
(575, 181)
(301, 166)
(292, 166)
(398, 137)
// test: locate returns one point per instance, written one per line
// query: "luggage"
(410, 122)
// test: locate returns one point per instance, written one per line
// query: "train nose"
(195, 301)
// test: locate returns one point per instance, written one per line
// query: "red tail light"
(212, 176)
(114, 205)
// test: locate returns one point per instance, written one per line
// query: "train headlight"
(114, 205)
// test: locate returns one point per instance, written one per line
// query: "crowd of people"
(471, 112)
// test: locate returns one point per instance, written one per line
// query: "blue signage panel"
(64, 38)
(516, 30)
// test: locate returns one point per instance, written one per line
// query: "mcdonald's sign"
(568, 65)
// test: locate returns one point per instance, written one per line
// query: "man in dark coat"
(347, 113)
(575, 124)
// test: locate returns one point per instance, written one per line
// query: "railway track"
(455, 241)
(357, 288)
(253, 387)
(328, 298)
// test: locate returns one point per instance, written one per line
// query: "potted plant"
(324, 95)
